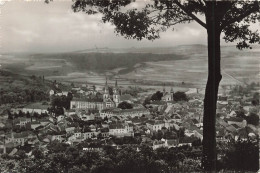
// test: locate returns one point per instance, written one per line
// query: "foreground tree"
(232, 18)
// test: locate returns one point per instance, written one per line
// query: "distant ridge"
(154, 50)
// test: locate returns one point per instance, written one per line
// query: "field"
(137, 66)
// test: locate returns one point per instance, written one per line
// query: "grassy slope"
(10, 81)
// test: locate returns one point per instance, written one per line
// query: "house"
(121, 129)
(105, 132)
(171, 143)
(220, 135)
(70, 112)
(188, 132)
(155, 125)
(57, 137)
(51, 92)
(198, 134)
(23, 122)
(35, 108)
(87, 103)
(44, 122)
(232, 114)
(186, 141)
(158, 144)
(16, 138)
(60, 118)
(62, 93)
(236, 120)
(168, 109)
(136, 112)
(157, 103)
(70, 130)
(86, 115)
(197, 123)
(88, 135)
(35, 124)
(139, 120)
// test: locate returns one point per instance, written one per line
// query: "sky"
(39, 27)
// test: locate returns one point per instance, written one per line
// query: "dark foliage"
(241, 156)
(157, 96)
(180, 96)
(125, 105)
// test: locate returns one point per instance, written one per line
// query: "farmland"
(145, 66)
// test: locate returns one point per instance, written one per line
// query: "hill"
(17, 88)
(184, 63)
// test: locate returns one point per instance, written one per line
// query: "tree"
(125, 105)
(255, 100)
(157, 96)
(252, 119)
(232, 18)
(180, 96)
(37, 153)
(241, 156)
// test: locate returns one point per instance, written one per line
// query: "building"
(121, 129)
(237, 121)
(138, 112)
(36, 108)
(17, 138)
(155, 125)
(168, 96)
(107, 101)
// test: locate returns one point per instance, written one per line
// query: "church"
(107, 101)
(167, 96)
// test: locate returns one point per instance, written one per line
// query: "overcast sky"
(40, 27)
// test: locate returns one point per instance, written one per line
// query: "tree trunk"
(211, 92)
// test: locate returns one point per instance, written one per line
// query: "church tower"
(164, 91)
(116, 95)
(172, 92)
(106, 92)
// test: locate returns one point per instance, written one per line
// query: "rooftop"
(96, 99)
(37, 105)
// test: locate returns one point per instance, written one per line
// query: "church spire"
(116, 83)
(106, 87)
(163, 88)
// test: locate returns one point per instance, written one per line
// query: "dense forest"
(133, 158)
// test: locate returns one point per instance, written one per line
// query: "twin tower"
(115, 96)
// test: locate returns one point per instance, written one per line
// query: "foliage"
(255, 100)
(128, 159)
(241, 156)
(236, 156)
(147, 100)
(125, 105)
(180, 96)
(61, 101)
(252, 119)
(22, 89)
(157, 96)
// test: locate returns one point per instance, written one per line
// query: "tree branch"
(190, 14)
(170, 24)
(255, 8)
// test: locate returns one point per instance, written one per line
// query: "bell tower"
(172, 92)
(116, 95)
(106, 92)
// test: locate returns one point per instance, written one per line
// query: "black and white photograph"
(129, 86)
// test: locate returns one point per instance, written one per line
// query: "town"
(92, 118)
